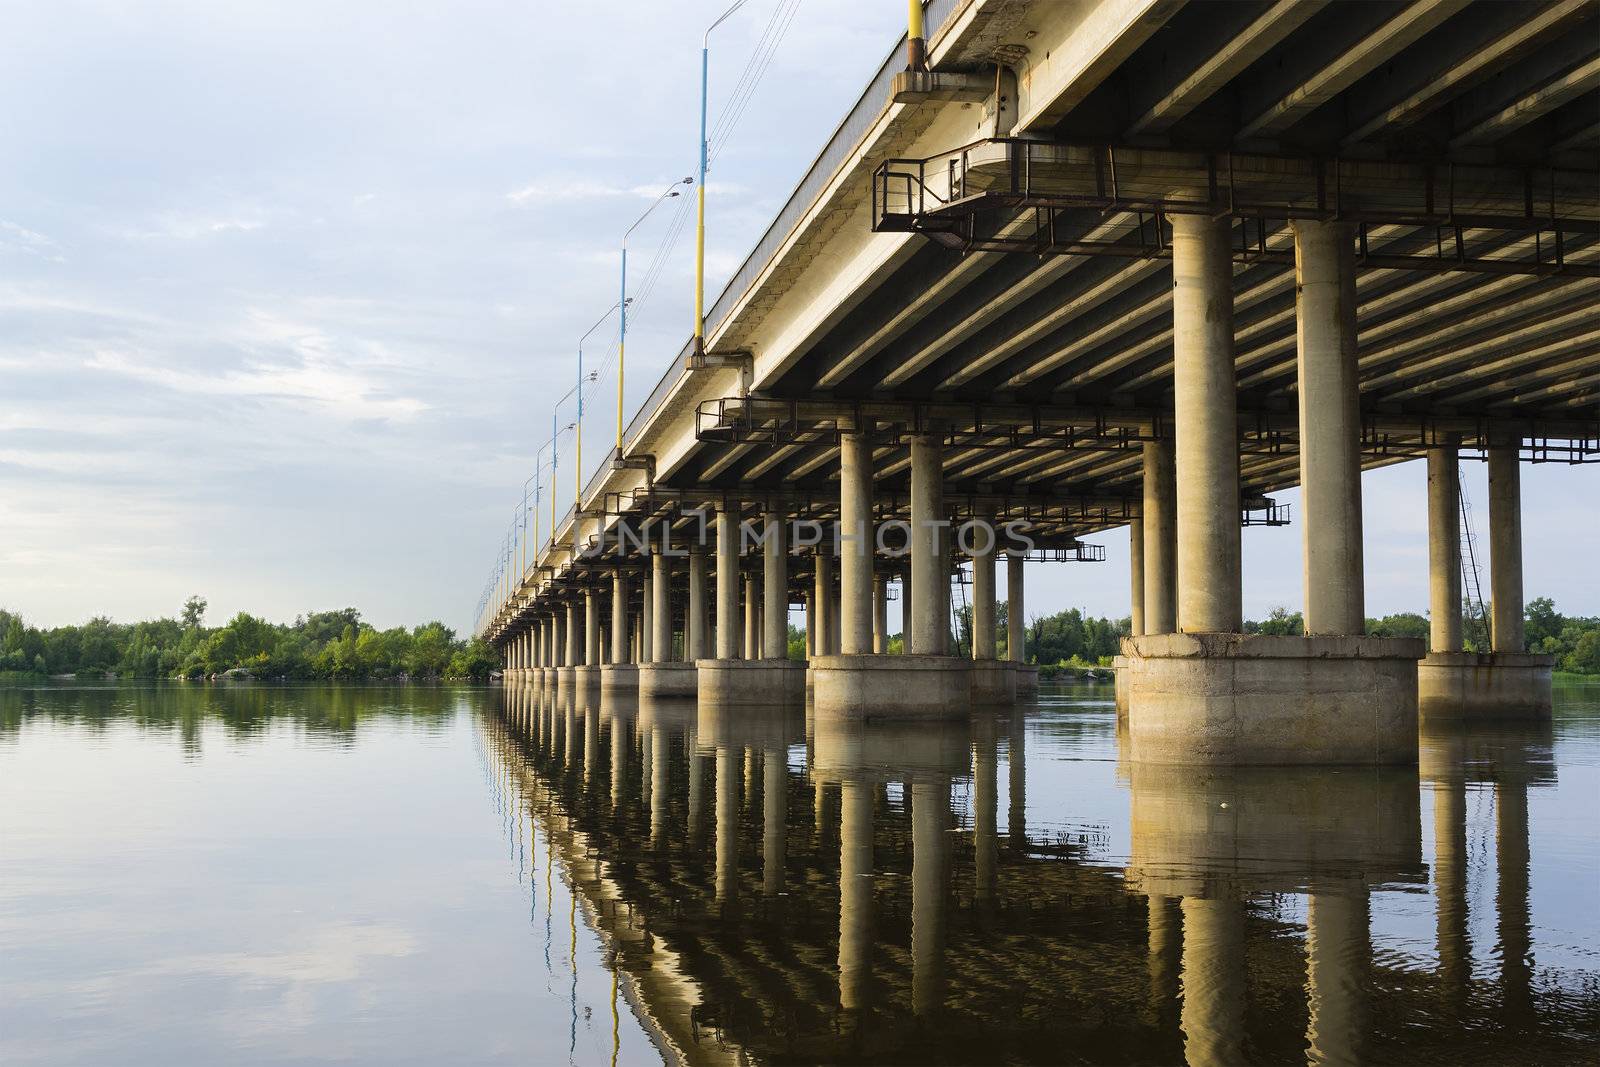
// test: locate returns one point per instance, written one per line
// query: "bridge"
(1070, 268)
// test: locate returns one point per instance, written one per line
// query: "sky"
(287, 290)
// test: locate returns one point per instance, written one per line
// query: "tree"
(194, 612)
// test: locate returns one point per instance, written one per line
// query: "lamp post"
(622, 331)
(700, 220)
(577, 466)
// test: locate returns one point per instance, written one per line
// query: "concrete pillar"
(574, 656)
(1016, 612)
(856, 541)
(822, 603)
(774, 588)
(698, 626)
(1206, 431)
(1444, 549)
(930, 844)
(810, 601)
(1505, 549)
(752, 623)
(661, 609)
(855, 894)
(647, 616)
(834, 620)
(1213, 982)
(1330, 426)
(983, 542)
(619, 617)
(928, 632)
(1338, 961)
(1159, 521)
(774, 820)
(591, 627)
(880, 614)
(728, 642)
(1136, 575)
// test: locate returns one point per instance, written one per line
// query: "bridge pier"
(1208, 694)
(768, 678)
(994, 681)
(1506, 682)
(662, 677)
(621, 675)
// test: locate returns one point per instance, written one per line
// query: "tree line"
(322, 645)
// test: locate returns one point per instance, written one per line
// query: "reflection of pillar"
(569, 726)
(1017, 780)
(819, 807)
(1444, 549)
(697, 792)
(659, 752)
(1213, 982)
(752, 779)
(1165, 942)
(591, 744)
(1505, 549)
(1160, 524)
(930, 823)
(619, 760)
(774, 823)
(1205, 427)
(855, 894)
(1511, 897)
(985, 810)
(727, 870)
(1338, 962)
(1450, 889)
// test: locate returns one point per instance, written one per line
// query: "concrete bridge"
(1099, 265)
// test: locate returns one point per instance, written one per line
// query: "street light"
(622, 332)
(577, 466)
(700, 222)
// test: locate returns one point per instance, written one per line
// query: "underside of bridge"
(1127, 265)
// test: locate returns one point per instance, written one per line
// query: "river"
(252, 874)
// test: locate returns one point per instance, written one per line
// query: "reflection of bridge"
(1122, 264)
(869, 914)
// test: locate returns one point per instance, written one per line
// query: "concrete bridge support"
(621, 674)
(880, 614)
(1505, 682)
(927, 680)
(1208, 694)
(767, 678)
(1027, 675)
(993, 681)
(587, 673)
(663, 676)
(1159, 526)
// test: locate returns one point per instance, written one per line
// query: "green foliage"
(796, 646)
(1405, 624)
(321, 645)
(1070, 636)
(1280, 622)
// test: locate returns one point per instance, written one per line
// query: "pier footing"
(1027, 675)
(892, 686)
(619, 678)
(766, 682)
(994, 681)
(668, 680)
(1232, 700)
(1490, 686)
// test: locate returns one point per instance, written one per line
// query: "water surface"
(253, 874)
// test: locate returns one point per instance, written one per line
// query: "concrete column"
(1016, 612)
(647, 616)
(727, 585)
(1159, 520)
(930, 843)
(591, 627)
(1338, 961)
(752, 623)
(1444, 549)
(880, 614)
(1136, 574)
(810, 601)
(1505, 550)
(661, 609)
(619, 617)
(698, 626)
(774, 820)
(1330, 426)
(856, 539)
(928, 633)
(834, 620)
(775, 588)
(822, 603)
(1206, 431)
(574, 655)
(855, 894)
(1213, 982)
(983, 543)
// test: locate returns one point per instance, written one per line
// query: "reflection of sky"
(278, 898)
